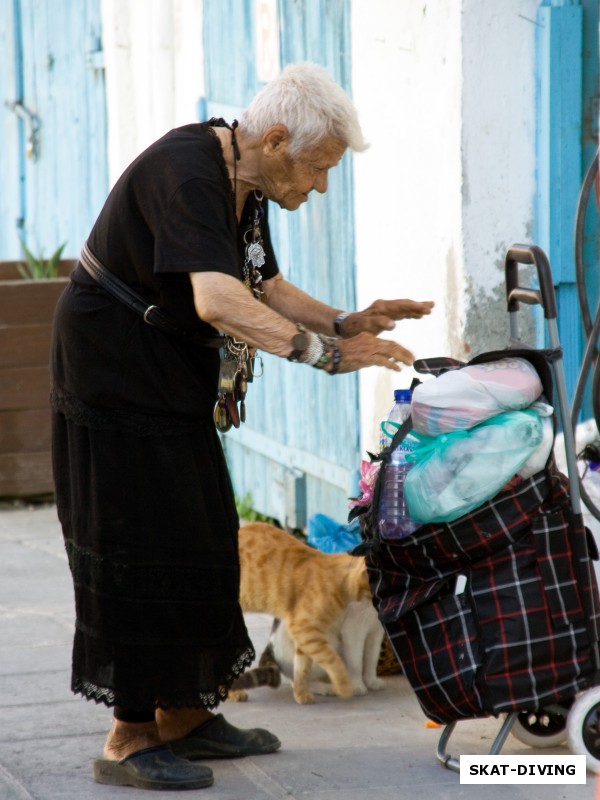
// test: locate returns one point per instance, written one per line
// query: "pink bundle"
(463, 398)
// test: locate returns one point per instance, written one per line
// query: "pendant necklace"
(237, 362)
(255, 252)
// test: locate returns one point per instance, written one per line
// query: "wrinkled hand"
(382, 315)
(366, 350)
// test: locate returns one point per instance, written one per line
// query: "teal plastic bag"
(456, 472)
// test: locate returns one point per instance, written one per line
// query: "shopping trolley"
(497, 613)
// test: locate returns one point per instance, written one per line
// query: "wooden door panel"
(299, 450)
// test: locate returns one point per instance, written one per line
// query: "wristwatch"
(300, 343)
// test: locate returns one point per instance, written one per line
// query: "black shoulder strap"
(399, 436)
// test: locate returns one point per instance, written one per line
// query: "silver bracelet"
(314, 351)
(337, 323)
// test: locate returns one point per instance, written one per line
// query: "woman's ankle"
(175, 723)
(125, 738)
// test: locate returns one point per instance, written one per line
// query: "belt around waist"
(150, 313)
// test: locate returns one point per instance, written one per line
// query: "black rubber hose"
(582, 204)
(592, 330)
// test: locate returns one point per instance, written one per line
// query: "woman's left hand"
(382, 315)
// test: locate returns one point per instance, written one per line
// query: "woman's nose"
(320, 182)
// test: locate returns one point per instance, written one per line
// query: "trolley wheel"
(583, 728)
(543, 728)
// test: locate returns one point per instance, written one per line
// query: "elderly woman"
(142, 489)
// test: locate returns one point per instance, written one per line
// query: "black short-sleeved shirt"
(169, 214)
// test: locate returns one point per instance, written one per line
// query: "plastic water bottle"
(394, 517)
(397, 414)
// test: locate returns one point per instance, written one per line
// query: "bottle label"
(389, 529)
(394, 520)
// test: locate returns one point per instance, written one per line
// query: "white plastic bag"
(537, 461)
(462, 398)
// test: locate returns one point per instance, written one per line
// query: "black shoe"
(216, 738)
(153, 768)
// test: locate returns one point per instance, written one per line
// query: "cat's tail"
(267, 673)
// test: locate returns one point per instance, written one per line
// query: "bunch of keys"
(234, 375)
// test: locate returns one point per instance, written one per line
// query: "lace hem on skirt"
(109, 697)
(132, 422)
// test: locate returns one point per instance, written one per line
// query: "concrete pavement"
(375, 746)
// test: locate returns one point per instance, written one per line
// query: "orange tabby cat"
(283, 577)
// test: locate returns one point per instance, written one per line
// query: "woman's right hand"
(367, 350)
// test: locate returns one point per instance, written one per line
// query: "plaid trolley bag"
(518, 633)
(516, 637)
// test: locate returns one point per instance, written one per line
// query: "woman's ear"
(274, 138)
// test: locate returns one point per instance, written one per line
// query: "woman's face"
(288, 180)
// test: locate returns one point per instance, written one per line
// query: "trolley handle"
(544, 296)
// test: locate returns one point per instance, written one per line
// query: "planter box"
(26, 311)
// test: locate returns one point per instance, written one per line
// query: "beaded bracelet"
(314, 352)
(308, 347)
(323, 361)
(327, 342)
(336, 358)
(332, 354)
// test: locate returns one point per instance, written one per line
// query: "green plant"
(246, 512)
(38, 267)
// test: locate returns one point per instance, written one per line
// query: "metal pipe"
(19, 92)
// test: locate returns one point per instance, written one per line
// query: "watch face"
(300, 343)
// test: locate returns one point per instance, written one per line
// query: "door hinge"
(33, 123)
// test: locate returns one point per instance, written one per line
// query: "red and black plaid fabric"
(521, 634)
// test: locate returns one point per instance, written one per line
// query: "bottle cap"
(402, 395)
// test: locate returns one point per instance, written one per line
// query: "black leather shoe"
(153, 768)
(216, 738)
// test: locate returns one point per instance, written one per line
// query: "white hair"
(306, 99)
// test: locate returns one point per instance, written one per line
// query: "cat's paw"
(237, 695)
(323, 689)
(344, 689)
(359, 689)
(304, 698)
(375, 684)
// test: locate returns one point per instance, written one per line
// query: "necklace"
(219, 122)
(237, 363)
(255, 252)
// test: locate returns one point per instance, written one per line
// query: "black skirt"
(151, 530)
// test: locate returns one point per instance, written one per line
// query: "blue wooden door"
(53, 124)
(566, 139)
(298, 452)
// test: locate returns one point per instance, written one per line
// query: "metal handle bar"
(545, 296)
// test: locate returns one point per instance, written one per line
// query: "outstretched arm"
(296, 305)
(225, 303)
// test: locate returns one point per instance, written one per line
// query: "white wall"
(445, 92)
(498, 158)
(154, 72)
(498, 110)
